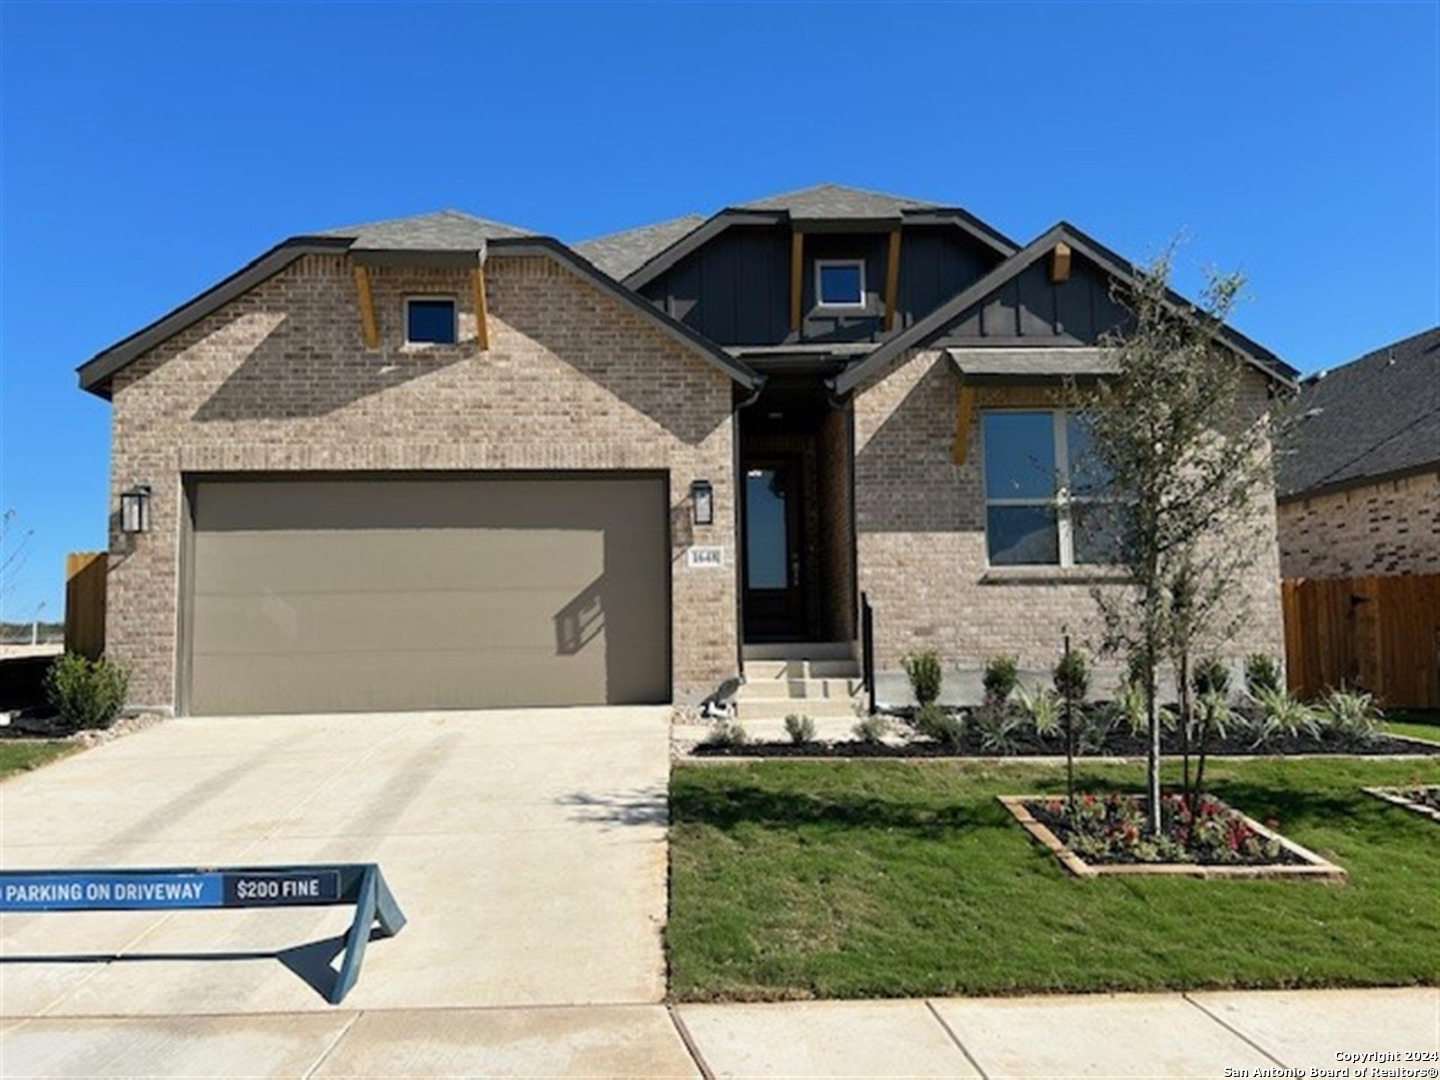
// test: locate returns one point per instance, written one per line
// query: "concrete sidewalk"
(1159, 1035)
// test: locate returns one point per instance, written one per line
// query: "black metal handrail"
(867, 651)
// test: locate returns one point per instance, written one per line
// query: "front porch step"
(799, 650)
(778, 708)
(799, 690)
(760, 670)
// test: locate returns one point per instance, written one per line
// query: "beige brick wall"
(279, 380)
(1379, 529)
(921, 524)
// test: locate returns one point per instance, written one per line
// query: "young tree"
(1185, 456)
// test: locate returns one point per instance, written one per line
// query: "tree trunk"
(1185, 705)
(1203, 754)
(1069, 738)
(1153, 762)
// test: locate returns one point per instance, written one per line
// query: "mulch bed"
(1118, 744)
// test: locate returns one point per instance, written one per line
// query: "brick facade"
(921, 524)
(1391, 527)
(279, 380)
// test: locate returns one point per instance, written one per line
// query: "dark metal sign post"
(169, 889)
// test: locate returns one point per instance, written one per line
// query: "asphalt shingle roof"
(443, 230)
(1374, 417)
(838, 201)
(621, 253)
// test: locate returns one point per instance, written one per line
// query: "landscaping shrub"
(1261, 673)
(1042, 709)
(998, 730)
(1072, 676)
(1350, 715)
(86, 693)
(872, 729)
(1211, 677)
(727, 733)
(1002, 673)
(800, 728)
(1280, 717)
(933, 722)
(926, 676)
(1092, 729)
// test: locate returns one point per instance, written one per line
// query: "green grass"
(861, 879)
(1417, 723)
(22, 755)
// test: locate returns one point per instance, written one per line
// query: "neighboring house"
(1359, 484)
(443, 462)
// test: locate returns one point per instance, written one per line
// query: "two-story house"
(443, 462)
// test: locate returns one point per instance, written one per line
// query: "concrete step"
(799, 650)
(779, 708)
(798, 689)
(759, 670)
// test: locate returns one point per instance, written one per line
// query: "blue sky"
(149, 150)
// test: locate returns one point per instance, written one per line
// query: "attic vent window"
(429, 320)
(840, 283)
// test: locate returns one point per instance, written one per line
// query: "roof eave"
(924, 330)
(95, 373)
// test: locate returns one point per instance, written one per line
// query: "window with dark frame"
(430, 320)
(1045, 492)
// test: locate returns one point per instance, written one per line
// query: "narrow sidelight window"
(429, 320)
(840, 283)
(1045, 500)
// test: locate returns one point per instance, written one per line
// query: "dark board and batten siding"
(736, 289)
(936, 264)
(1030, 307)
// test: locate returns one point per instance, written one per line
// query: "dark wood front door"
(774, 594)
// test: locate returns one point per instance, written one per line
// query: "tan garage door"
(325, 595)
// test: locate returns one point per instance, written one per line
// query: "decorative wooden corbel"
(1060, 264)
(368, 327)
(892, 279)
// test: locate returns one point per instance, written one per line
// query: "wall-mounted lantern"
(702, 502)
(135, 509)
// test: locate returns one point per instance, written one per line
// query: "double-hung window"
(1046, 502)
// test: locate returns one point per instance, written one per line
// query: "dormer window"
(840, 283)
(429, 320)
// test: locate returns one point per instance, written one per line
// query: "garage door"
(325, 595)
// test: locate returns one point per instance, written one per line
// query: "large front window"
(1045, 503)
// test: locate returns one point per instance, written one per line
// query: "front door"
(774, 596)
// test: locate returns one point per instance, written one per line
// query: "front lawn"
(1417, 723)
(22, 755)
(860, 879)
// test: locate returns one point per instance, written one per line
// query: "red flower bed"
(1114, 829)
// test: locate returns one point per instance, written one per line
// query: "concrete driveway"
(526, 847)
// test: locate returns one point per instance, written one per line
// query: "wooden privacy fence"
(85, 602)
(1379, 634)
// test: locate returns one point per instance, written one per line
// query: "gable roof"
(449, 233)
(622, 253)
(651, 250)
(1376, 417)
(933, 324)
